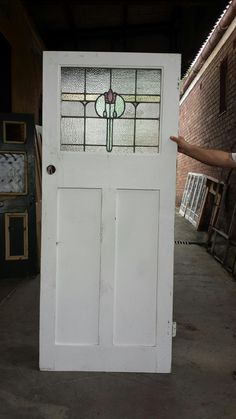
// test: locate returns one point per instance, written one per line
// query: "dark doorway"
(5, 75)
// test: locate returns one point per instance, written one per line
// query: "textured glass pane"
(73, 96)
(129, 111)
(97, 80)
(148, 82)
(96, 131)
(101, 105)
(123, 81)
(72, 109)
(129, 98)
(72, 80)
(147, 132)
(12, 173)
(123, 132)
(91, 97)
(148, 110)
(90, 109)
(72, 131)
(151, 98)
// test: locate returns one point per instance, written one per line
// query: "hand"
(181, 143)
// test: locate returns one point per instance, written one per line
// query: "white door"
(108, 211)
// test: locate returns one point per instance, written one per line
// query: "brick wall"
(202, 124)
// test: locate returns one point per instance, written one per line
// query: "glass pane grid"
(112, 109)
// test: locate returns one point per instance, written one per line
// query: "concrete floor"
(201, 385)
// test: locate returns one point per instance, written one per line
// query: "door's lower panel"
(136, 267)
(78, 266)
(132, 342)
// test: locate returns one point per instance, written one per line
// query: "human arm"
(211, 157)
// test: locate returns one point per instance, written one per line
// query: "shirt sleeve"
(234, 156)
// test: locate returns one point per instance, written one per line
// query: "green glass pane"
(72, 131)
(147, 132)
(148, 82)
(97, 80)
(110, 110)
(123, 81)
(72, 80)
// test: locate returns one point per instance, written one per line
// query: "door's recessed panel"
(78, 266)
(136, 272)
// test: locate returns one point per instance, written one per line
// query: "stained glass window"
(110, 110)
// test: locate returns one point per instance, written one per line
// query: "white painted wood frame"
(107, 237)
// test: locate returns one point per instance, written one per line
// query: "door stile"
(51, 79)
(170, 94)
(107, 267)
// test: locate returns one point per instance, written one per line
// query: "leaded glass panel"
(95, 129)
(110, 109)
(71, 108)
(72, 130)
(123, 132)
(72, 80)
(146, 132)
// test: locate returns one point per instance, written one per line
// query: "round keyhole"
(51, 169)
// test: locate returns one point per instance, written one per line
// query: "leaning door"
(108, 211)
(17, 196)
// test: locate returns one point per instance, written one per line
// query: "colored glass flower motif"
(110, 105)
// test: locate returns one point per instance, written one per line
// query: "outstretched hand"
(181, 143)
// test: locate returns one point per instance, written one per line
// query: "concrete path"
(201, 385)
